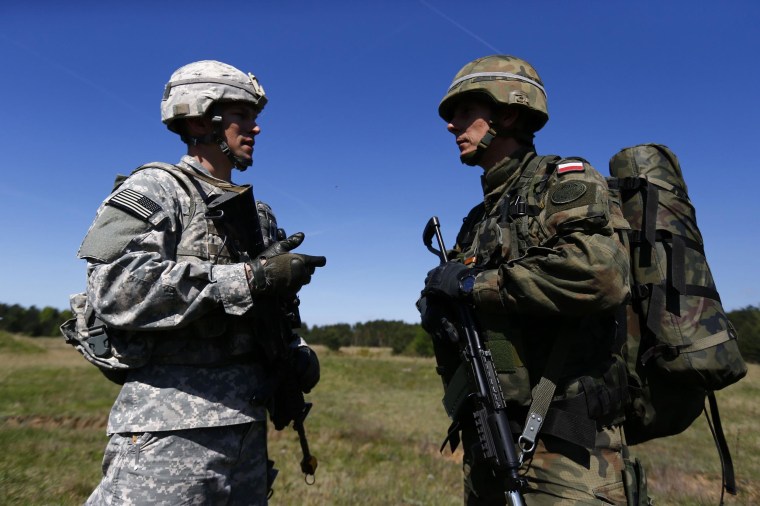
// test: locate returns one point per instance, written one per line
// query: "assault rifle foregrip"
(491, 421)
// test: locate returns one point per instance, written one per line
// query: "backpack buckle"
(98, 341)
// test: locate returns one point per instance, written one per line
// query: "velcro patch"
(569, 195)
(134, 203)
(564, 168)
(568, 192)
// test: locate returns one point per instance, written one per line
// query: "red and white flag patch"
(564, 168)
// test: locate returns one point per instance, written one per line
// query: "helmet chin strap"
(239, 163)
(217, 137)
(472, 158)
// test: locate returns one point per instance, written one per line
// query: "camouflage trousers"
(562, 474)
(208, 466)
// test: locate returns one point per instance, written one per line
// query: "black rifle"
(235, 212)
(489, 406)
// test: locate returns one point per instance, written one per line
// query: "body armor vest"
(217, 338)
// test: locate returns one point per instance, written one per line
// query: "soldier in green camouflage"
(549, 273)
(179, 298)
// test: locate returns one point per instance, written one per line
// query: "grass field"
(376, 427)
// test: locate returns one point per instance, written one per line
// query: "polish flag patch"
(564, 168)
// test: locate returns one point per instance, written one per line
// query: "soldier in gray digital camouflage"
(543, 269)
(187, 274)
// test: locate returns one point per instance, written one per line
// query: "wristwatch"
(466, 285)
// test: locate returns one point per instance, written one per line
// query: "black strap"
(649, 225)
(566, 421)
(666, 236)
(571, 425)
(677, 245)
(727, 464)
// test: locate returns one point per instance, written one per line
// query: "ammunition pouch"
(94, 341)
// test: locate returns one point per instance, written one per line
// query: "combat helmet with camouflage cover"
(503, 80)
(196, 89)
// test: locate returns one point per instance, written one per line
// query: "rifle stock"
(491, 421)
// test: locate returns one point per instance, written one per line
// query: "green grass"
(18, 346)
(376, 427)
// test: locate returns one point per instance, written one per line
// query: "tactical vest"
(591, 382)
(216, 339)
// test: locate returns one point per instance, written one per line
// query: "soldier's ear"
(197, 127)
(506, 117)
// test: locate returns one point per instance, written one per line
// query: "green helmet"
(193, 89)
(505, 80)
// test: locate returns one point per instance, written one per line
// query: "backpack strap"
(726, 463)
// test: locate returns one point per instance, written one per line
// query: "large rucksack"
(677, 341)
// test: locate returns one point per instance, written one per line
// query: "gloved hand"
(446, 280)
(435, 322)
(306, 366)
(283, 246)
(282, 274)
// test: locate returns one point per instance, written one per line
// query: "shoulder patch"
(568, 192)
(564, 168)
(134, 203)
(570, 195)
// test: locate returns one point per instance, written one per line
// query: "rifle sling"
(542, 394)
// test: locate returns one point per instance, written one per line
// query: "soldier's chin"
(242, 163)
(468, 158)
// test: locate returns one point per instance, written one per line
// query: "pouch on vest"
(679, 344)
(95, 342)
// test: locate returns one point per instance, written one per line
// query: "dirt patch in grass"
(53, 422)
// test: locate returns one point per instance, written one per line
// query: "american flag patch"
(134, 203)
(564, 168)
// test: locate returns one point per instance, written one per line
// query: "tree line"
(403, 338)
(32, 321)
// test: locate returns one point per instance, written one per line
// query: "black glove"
(284, 245)
(452, 280)
(283, 274)
(434, 320)
(306, 366)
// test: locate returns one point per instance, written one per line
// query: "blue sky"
(352, 151)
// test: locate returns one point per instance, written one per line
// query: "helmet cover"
(194, 88)
(504, 80)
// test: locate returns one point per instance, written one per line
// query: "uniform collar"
(190, 162)
(505, 173)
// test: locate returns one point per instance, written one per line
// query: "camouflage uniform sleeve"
(134, 281)
(579, 268)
